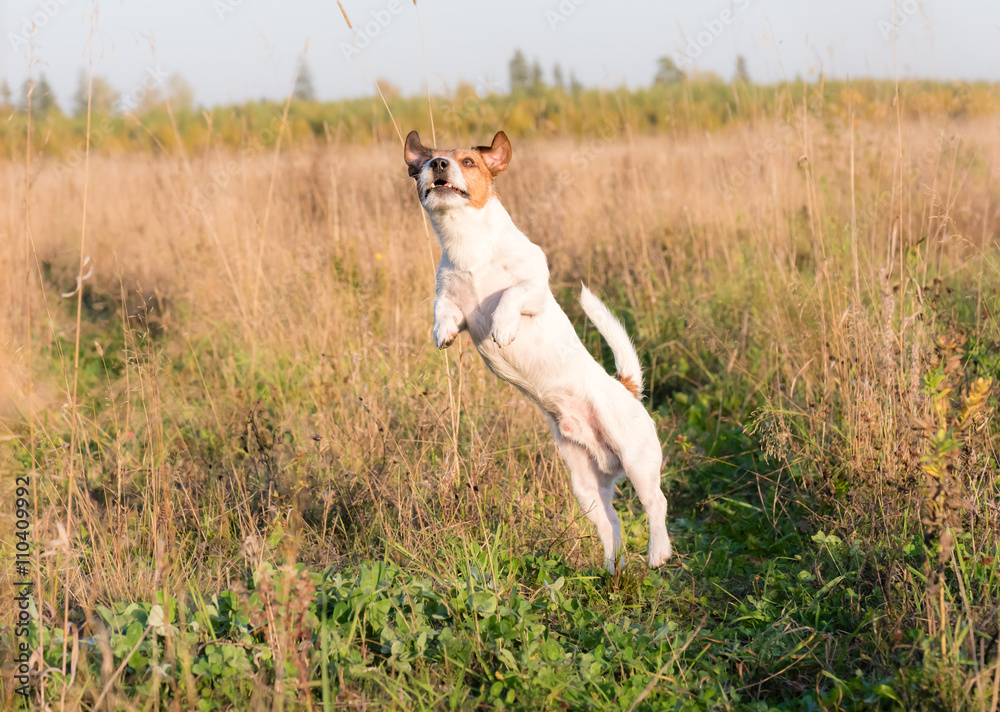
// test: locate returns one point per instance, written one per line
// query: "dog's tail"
(626, 359)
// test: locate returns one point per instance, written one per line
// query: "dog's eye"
(469, 162)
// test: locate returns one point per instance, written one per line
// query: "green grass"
(762, 610)
(300, 504)
(762, 613)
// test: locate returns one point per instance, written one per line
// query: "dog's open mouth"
(441, 184)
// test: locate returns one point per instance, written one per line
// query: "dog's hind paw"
(659, 553)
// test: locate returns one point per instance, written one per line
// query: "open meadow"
(253, 483)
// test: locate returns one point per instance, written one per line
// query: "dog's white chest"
(476, 294)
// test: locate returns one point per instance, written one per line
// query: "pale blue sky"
(232, 50)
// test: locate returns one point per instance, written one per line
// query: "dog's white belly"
(534, 362)
(546, 360)
(543, 361)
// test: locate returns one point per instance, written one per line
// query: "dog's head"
(458, 177)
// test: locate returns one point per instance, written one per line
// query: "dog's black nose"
(439, 165)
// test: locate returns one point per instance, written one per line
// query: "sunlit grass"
(274, 463)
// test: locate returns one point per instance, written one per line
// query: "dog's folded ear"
(415, 153)
(497, 155)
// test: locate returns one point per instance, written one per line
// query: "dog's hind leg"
(642, 467)
(608, 498)
(633, 446)
(594, 491)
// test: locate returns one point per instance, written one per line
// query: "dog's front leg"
(448, 321)
(522, 299)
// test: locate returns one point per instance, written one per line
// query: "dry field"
(240, 424)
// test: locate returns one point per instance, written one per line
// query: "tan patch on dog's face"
(440, 184)
(478, 179)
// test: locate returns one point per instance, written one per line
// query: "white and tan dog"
(494, 282)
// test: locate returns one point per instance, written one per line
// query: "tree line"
(161, 115)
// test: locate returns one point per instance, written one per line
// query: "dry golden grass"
(275, 372)
(323, 292)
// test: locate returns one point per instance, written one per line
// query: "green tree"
(176, 89)
(43, 99)
(537, 80)
(742, 73)
(4, 94)
(304, 90)
(575, 87)
(180, 92)
(103, 96)
(520, 73)
(557, 77)
(389, 90)
(667, 72)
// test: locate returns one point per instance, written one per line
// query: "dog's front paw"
(444, 336)
(504, 330)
